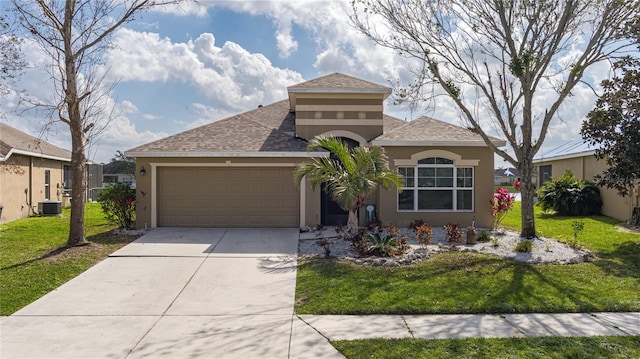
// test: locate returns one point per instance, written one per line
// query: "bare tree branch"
(502, 55)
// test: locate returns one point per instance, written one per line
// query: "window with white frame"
(436, 184)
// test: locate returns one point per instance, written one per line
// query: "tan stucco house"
(32, 171)
(578, 157)
(238, 172)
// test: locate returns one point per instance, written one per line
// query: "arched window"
(436, 184)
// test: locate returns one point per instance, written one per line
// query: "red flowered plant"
(118, 202)
(500, 204)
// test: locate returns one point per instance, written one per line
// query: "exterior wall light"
(143, 171)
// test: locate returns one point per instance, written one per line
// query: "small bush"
(569, 196)
(381, 243)
(118, 202)
(484, 236)
(577, 226)
(500, 204)
(454, 233)
(524, 246)
(424, 234)
(416, 223)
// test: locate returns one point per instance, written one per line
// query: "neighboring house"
(238, 172)
(31, 171)
(505, 176)
(578, 157)
(116, 172)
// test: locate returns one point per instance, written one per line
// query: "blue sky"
(180, 68)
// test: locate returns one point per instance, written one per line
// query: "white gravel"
(544, 250)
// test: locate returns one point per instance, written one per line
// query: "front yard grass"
(34, 258)
(476, 283)
(530, 348)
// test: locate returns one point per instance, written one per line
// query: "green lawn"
(34, 259)
(529, 348)
(474, 283)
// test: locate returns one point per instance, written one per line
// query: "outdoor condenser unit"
(50, 208)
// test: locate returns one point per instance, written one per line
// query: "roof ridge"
(405, 124)
(15, 133)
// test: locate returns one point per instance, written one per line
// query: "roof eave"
(383, 143)
(273, 154)
(34, 154)
(384, 90)
(564, 157)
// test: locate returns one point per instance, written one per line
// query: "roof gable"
(339, 81)
(429, 131)
(13, 140)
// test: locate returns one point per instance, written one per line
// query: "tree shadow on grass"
(516, 287)
(96, 241)
(623, 261)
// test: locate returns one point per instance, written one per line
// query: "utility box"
(50, 208)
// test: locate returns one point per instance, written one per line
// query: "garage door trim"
(154, 181)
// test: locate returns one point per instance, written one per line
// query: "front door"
(332, 214)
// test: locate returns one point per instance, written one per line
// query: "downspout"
(30, 189)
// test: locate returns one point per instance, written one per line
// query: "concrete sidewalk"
(351, 327)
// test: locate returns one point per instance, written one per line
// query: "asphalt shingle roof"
(339, 81)
(271, 128)
(11, 138)
(427, 129)
(266, 129)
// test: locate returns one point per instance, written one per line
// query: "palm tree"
(350, 175)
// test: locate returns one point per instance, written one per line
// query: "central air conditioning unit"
(50, 208)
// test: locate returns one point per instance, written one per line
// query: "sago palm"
(350, 175)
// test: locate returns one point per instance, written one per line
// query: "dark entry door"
(332, 214)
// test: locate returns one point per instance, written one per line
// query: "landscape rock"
(544, 250)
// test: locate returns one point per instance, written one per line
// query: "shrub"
(577, 226)
(118, 202)
(423, 234)
(484, 236)
(385, 243)
(500, 204)
(380, 244)
(454, 233)
(524, 246)
(416, 223)
(359, 243)
(569, 196)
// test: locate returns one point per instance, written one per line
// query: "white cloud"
(127, 106)
(206, 114)
(183, 8)
(229, 76)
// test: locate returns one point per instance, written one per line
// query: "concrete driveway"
(175, 293)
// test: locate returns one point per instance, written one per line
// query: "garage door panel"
(227, 197)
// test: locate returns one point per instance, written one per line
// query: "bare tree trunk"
(527, 192)
(79, 189)
(352, 222)
(78, 133)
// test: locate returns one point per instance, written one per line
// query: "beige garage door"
(227, 197)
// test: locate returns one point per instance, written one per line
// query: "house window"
(545, 174)
(436, 184)
(47, 184)
(66, 176)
